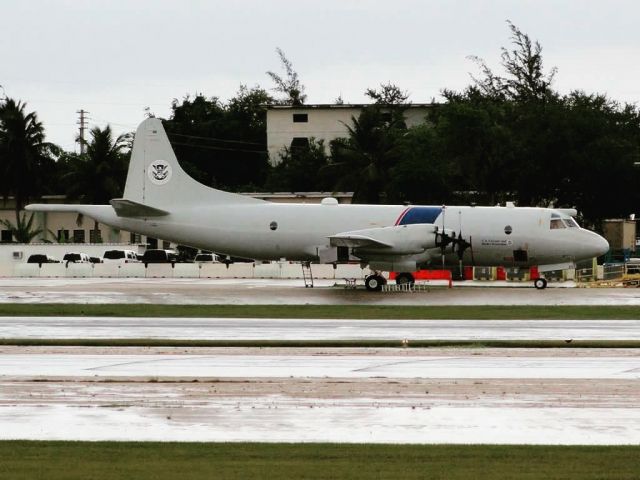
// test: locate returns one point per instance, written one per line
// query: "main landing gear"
(374, 282)
(405, 279)
(540, 283)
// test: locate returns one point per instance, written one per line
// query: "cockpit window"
(571, 223)
(557, 223)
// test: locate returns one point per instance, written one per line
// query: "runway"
(512, 396)
(315, 329)
(292, 292)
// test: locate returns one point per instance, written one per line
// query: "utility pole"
(83, 126)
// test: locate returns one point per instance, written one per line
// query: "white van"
(120, 256)
(207, 258)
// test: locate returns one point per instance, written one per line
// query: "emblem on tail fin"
(159, 172)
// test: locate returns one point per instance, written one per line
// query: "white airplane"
(162, 201)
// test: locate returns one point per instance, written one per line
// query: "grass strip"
(21, 460)
(161, 342)
(488, 312)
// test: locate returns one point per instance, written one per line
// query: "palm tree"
(98, 176)
(25, 158)
(362, 161)
(23, 231)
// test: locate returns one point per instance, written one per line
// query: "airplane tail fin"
(156, 179)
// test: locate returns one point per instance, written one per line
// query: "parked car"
(159, 256)
(73, 257)
(95, 259)
(41, 258)
(207, 258)
(120, 256)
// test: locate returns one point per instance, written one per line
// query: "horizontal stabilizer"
(127, 208)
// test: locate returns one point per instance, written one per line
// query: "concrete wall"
(276, 270)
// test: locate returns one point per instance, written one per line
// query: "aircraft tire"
(374, 283)
(540, 283)
(404, 279)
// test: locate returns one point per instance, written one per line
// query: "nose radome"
(603, 245)
(599, 244)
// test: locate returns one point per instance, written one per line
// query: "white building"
(287, 124)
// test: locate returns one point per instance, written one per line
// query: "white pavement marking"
(315, 329)
(308, 366)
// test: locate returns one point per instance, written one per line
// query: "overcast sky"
(114, 58)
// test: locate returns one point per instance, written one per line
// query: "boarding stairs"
(307, 274)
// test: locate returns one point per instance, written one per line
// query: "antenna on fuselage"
(460, 250)
(444, 243)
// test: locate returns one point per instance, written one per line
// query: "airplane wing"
(354, 240)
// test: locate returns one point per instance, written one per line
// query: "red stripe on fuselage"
(402, 216)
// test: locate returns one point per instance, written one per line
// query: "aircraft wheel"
(374, 283)
(540, 283)
(404, 279)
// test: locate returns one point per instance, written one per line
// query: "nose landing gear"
(540, 283)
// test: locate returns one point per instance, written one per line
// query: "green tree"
(26, 160)
(23, 231)
(99, 175)
(300, 169)
(422, 174)
(525, 78)
(290, 84)
(513, 137)
(362, 161)
(222, 145)
(388, 94)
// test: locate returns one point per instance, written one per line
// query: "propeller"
(458, 243)
(444, 238)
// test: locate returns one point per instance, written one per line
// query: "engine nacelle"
(397, 240)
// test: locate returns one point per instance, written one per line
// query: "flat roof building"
(295, 125)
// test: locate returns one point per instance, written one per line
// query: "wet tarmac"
(315, 329)
(465, 365)
(507, 396)
(512, 396)
(283, 292)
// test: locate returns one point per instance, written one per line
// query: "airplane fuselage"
(269, 231)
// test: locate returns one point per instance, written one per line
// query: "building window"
(78, 236)
(7, 236)
(166, 245)
(386, 117)
(135, 238)
(152, 242)
(300, 118)
(95, 236)
(63, 236)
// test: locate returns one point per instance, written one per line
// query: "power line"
(216, 139)
(209, 147)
